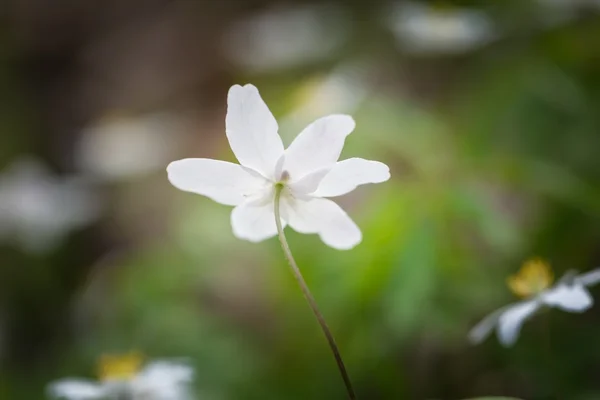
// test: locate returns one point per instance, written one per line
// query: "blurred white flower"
(423, 29)
(308, 170)
(124, 147)
(122, 377)
(341, 90)
(533, 283)
(285, 37)
(38, 209)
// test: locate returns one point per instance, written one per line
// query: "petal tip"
(344, 122)
(242, 88)
(349, 121)
(344, 246)
(385, 172)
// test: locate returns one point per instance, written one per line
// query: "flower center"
(119, 367)
(534, 276)
(285, 176)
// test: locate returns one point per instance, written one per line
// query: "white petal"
(308, 183)
(252, 130)
(254, 222)
(164, 380)
(346, 175)
(482, 330)
(326, 218)
(318, 146)
(572, 297)
(509, 323)
(221, 181)
(589, 278)
(167, 371)
(76, 389)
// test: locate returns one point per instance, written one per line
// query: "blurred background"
(487, 112)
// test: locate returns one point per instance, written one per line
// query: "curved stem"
(309, 297)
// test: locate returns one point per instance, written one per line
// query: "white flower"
(569, 294)
(420, 28)
(159, 380)
(37, 209)
(308, 169)
(343, 89)
(287, 36)
(123, 147)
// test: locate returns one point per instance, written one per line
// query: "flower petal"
(164, 380)
(309, 182)
(346, 175)
(573, 297)
(167, 371)
(482, 330)
(221, 181)
(326, 218)
(509, 323)
(252, 130)
(254, 222)
(589, 278)
(76, 389)
(318, 146)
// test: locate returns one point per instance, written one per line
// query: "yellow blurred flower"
(534, 276)
(119, 367)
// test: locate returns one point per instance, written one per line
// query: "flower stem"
(309, 297)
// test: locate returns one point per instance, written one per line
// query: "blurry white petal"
(76, 389)
(420, 28)
(126, 147)
(318, 146)
(346, 175)
(167, 371)
(254, 222)
(482, 330)
(287, 36)
(568, 297)
(510, 321)
(252, 130)
(39, 209)
(221, 181)
(342, 90)
(326, 218)
(589, 278)
(163, 380)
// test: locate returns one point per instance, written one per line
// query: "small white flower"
(125, 147)
(287, 36)
(121, 377)
(343, 89)
(308, 169)
(38, 209)
(532, 282)
(423, 29)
